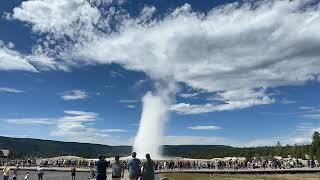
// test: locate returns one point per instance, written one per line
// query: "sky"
(239, 73)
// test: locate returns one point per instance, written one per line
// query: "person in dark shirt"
(102, 166)
(73, 173)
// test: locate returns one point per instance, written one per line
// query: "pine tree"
(315, 145)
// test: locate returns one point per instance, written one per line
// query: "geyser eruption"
(153, 119)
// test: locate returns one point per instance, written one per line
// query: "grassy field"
(186, 176)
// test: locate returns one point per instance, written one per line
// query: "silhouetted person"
(148, 169)
(102, 166)
(73, 173)
(134, 166)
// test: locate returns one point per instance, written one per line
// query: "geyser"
(150, 134)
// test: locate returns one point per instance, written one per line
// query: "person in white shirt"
(40, 173)
(6, 172)
(27, 177)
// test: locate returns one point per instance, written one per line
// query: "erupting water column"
(154, 116)
(150, 133)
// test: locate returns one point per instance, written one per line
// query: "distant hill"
(28, 147)
(47, 148)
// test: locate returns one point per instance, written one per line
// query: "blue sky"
(243, 73)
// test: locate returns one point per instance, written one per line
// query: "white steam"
(154, 116)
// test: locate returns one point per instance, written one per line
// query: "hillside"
(25, 147)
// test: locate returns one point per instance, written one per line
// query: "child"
(27, 177)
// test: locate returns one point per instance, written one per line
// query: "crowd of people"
(145, 170)
(98, 169)
(235, 164)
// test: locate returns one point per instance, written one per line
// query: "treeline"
(25, 147)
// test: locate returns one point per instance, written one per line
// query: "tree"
(1, 154)
(315, 145)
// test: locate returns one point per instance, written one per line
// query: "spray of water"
(152, 123)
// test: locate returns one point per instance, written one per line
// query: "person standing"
(40, 173)
(102, 166)
(148, 169)
(73, 173)
(6, 172)
(15, 173)
(134, 166)
(27, 177)
(117, 169)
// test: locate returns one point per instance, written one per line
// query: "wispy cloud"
(31, 121)
(77, 126)
(74, 95)
(189, 95)
(10, 90)
(128, 101)
(204, 127)
(312, 116)
(287, 101)
(130, 106)
(226, 101)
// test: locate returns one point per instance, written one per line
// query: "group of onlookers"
(136, 169)
(6, 173)
(235, 164)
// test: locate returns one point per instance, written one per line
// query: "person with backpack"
(117, 169)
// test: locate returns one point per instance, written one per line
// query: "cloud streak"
(10, 90)
(74, 95)
(204, 127)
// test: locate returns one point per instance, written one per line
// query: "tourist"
(134, 166)
(27, 177)
(117, 168)
(73, 173)
(6, 172)
(148, 169)
(40, 173)
(92, 174)
(15, 173)
(102, 166)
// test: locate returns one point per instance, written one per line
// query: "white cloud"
(189, 95)
(76, 126)
(128, 101)
(31, 121)
(10, 90)
(13, 60)
(204, 127)
(74, 95)
(130, 106)
(59, 17)
(227, 100)
(233, 47)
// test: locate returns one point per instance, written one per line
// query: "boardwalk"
(83, 173)
(245, 171)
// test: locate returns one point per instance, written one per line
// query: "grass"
(189, 176)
